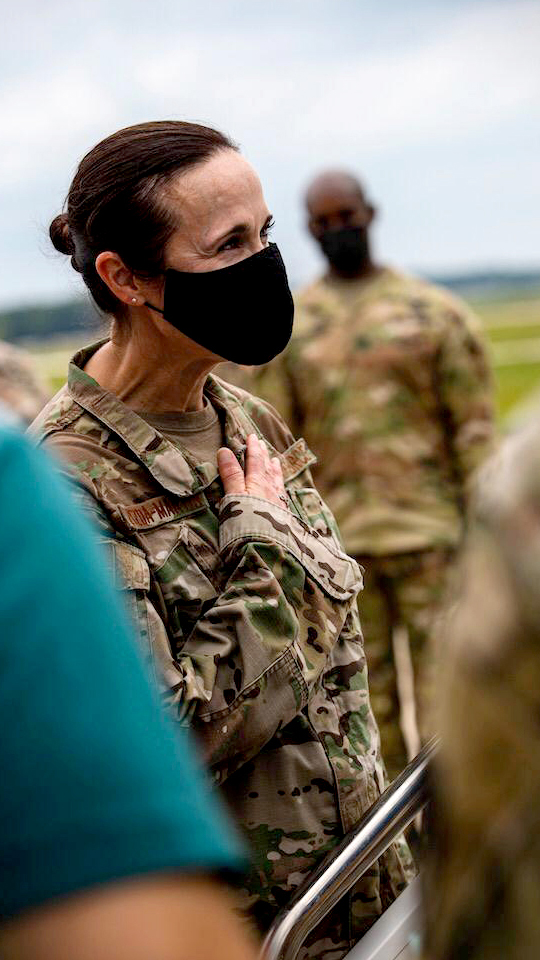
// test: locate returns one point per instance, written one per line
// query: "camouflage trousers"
(399, 607)
(334, 937)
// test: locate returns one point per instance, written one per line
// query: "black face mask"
(346, 249)
(242, 313)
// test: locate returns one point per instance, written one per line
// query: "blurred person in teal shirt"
(110, 845)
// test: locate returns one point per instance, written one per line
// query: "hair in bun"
(60, 235)
(116, 202)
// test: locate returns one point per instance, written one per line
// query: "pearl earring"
(134, 299)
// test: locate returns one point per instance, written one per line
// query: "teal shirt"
(96, 784)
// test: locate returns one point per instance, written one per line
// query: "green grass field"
(512, 329)
(52, 360)
(513, 332)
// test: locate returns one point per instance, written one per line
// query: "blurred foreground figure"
(484, 891)
(106, 850)
(387, 380)
(20, 388)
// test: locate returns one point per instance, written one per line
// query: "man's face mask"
(346, 249)
(242, 313)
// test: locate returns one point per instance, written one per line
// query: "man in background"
(386, 378)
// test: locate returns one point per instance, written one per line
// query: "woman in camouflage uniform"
(230, 560)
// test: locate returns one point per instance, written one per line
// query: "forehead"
(327, 199)
(209, 194)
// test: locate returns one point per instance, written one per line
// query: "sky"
(434, 104)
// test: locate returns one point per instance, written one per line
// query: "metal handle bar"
(355, 854)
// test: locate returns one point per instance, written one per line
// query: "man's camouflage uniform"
(249, 610)
(387, 380)
(483, 899)
(20, 387)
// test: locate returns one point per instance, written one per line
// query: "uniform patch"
(296, 459)
(158, 510)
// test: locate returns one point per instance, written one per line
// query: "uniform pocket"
(311, 507)
(130, 573)
(187, 579)
(127, 565)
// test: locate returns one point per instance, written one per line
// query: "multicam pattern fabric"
(249, 611)
(399, 607)
(20, 387)
(484, 884)
(387, 381)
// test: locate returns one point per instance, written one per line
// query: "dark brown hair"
(115, 200)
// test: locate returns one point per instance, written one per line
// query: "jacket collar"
(171, 467)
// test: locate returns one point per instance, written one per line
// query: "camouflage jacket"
(249, 612)
(387, 380)
(484, 899)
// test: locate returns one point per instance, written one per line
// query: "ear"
(118, 278)
(314, 228)
(372, 213)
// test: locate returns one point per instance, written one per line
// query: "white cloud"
(299, 86)
(483, 69)
(42, 124)
(479, 68)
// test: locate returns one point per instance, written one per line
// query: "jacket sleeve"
(465, 388)
(248, 666)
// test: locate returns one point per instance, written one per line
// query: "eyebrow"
(239, 230)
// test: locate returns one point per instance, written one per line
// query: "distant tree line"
(492, 284)
(79, 316)
(45, 322)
